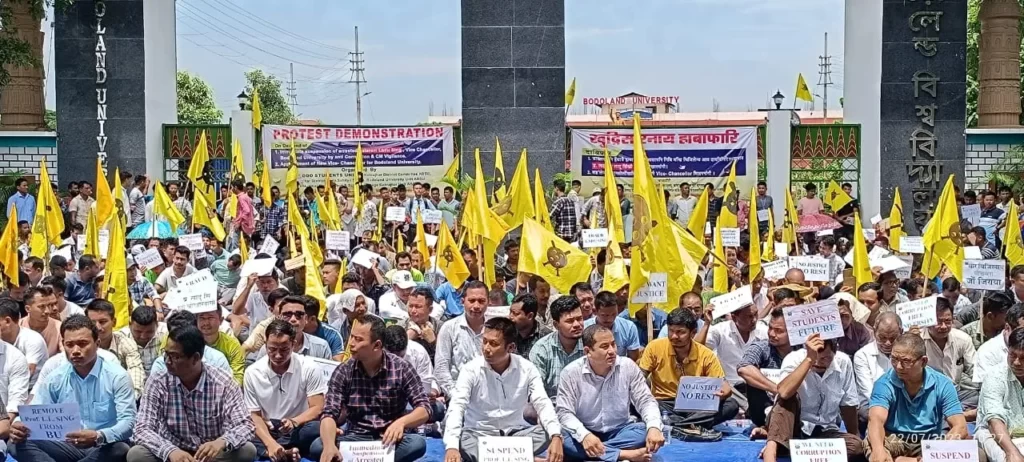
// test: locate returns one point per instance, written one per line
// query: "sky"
(734, 53)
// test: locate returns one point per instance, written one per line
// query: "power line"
(357, 63)
(277, 28)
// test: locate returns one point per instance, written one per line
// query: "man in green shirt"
(210, 325)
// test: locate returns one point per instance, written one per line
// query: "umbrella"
(145, 230)
(816, 222)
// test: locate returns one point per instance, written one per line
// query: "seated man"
(816, 391)
(101, 312)
(952, 353)
(1000, 415)
(317, 329)
(357, 395)
(191, 411)
(257, 337)
(209, 323)
(995, 305)
(763, 354)
(107, 403)
(284, 392)
(872, 362)
(606, 313)
(459, 340)
(556, 350)
(909, 403)
(27, 341)
(414, 354)
(523, 312)
(729, 338)
(40, 301)
(666, 360)
(601, 428)
(421, 327)
(992, 353)
(855, 334)
(145, 334)
(490, 396)
(295, 310)
(14, 389)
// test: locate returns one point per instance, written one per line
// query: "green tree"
(195, 101)
(14, 50)
(50, 117)
(274, 107)
(973, 55)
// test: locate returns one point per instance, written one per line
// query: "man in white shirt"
(459, 340)
(180, 267)
(993, 353)
(14, 387)
(871, 362)
(137, 201)
(490, 396)
(284, 391)
(601, 428)
(728, 339)
(28, 341)
(816, 391)
(393, 304)
(397, 342)
(684, 204)
(251, 301)
(951, 351)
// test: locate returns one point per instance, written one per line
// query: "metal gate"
(823, 153)
(179, 143)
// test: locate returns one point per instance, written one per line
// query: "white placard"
(294, 263)
(655, 291)
(732, 301)
(869, 234)
(824, 232)
(149, 259)
(762, 215)
(337, 240)
(949, 450)
(698, 394)
(431, 240)
(730, 237)
(193, 241)
(818, 450)
(269, 246)
(815, 268)
(395, 214)
(505, 449)
(985, 274)
(65, 251)
(50, 422)
(432, 217)
(876, 253)
(104, 242)
(366, 451)
(594, 238)
(911, 244)
(775, 375)
(497, 312)
(325, 366)
(775, 270)
(258, 266)
(920, 313)
(365, 258)
(890, 263)
(707, 228)
(971, 213)
(822, 317)
(781, 249)
(876, 219)
(973, 253)
(197, 292)
(904, 272)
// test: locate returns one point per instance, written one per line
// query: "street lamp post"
(778, 99)
(243, 99)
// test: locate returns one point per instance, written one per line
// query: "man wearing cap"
(393, 304)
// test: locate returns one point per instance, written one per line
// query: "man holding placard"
(728, 339)
(103, 393)
(816, 391)
(667, 360)
(910, 404)
(760, 355)
(191, 411)
(180, 267)
(601, 428)
(491, 395)
(251, 300)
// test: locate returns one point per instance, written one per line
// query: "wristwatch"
(101, 439)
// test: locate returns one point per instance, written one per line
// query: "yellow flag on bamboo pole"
(943, 242)
(104, 199)
(544, 254)
(498, 183)
(518, 204)
(861, 264)
(257, 113)
(542, 213)
(803, 92)
(1013, 246)
(616, 276)
(731, 201)
(835, 198)
(163, 206)
(896, 221)
(200, 171)
(612, 207)
(790, 222)
(115, 277)
(448, 258)
(9, 247)
(265, 183)
(357, 188)
(92, 236)
(205, 215)
(754, 257)
(48, 222)
(421, 236)
(291, 177)
(721, 272)
(699, 217)
(769, 247)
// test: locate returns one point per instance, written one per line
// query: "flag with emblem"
(755, 239)
(769, 245)
(92, 236)
(612, 205)
(699, 217)
(448, 258)
(119, 199)
(896, 221)
(104, 199)
(730, 201)
(205, 215)
(115, 277)
(237, 173)
(861, 264)
(1013, 246)
(332, 202)
(835, 198)
(721, 272)
(163, 206)
(498, 183)
(200, 170)
(541, 211)
(544, 254)
(943, 241)
(452, 173)
(9, 247)
(790, 222)
(48, 223)
(616, 276)
(257, 113)
(291, 177)
(803, 92)
(357, 188)
(570, 94)
(518, 204)
(482, 220)
(265, 183)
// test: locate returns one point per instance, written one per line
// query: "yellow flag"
(48, 222)
(92, 236)
(314, 285)
(731, 201)
(265, 183)
(896, 221)
(200, 171)
(755, 238)
(721, 272)
(453, 169)
(546, 255)
(943, 242)
(542, 213)
(498, 186)
(243, 250)
(237, 166)
(163, 206)
(205, 215)
(449, 258)
(257, 114)
(357, 189)
(341, 275)
(615, 274)
(803, 92)
(699, 217)
(835, 197)
(518, 204)
(1012, 243)
(9, 247)
(483, 221)
(644, 211)
(421, 237)
(119, 199)
(400, 246)
(791, 222)
(769, 247)
(291, 178)
(861, 264)
(612, 207)
(115, 277)
(331, 222)
(570, 95)
(104, 200)
(295, 217)
(332, 201)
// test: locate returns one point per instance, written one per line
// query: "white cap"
(403, 279)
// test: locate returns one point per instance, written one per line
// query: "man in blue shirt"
(992, 217)
(25, 203)
(606, 313)
(910, 403)
(82, 285)
(104, 395)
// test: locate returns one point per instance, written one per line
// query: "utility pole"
(356, 66)
(292, 92)
(825, 76)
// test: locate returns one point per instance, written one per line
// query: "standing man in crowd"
(81, 204)
(563, 214)
(23, 201)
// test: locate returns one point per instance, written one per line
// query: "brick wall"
(22, 151)
(985, 148)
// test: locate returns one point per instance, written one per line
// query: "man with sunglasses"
(293, 310)
(910, 404)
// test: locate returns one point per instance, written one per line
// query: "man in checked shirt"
(356, 396)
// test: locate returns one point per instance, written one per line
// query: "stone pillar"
(513, 83)
(862, 92)
(21, 100)
(999, 66)
(777, 157)
(243, 133)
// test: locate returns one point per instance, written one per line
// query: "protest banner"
(815, 268)
(763, 214)
(949, 450)
(192, 241)
(985, 274)
(197, 292)
(432, 217)
(775, 270)
(506, 449)
(781, 249)
(912, 244)
(698, 394)
(971, 213)
(732, 301)
(775, 375)
(50, 422)
(269, 246)
(396, 214)
(818, 450)
(822, 317)
(294, 263)
(973, 252)
(337, 240)
(258, 266)
(149, 259)
(920, 313)
(904, 272)
(497, 312)
(594, 238)
(325, 366)
(655, 291)
(365, 258)
(730, 237)
(366, 451)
